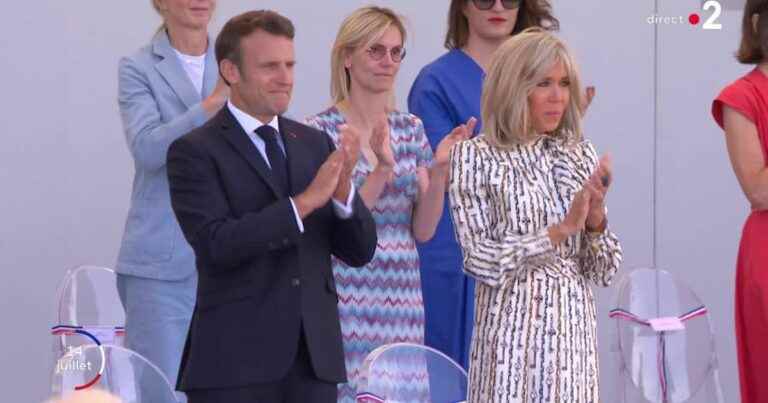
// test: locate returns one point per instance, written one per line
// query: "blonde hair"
(361, 28)
(156, 6)
(519, 64)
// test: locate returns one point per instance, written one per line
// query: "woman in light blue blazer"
(165, 90)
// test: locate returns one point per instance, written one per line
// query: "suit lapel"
(243, 145)
(295, 153)
(172, 71)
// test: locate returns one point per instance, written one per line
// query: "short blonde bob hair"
(360, 29)
(516, 68)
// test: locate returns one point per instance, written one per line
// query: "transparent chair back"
(87, 303)
(114, 369)
(664, 341)
(407, 372)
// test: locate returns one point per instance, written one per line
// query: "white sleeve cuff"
(344, 211)
(299, 223)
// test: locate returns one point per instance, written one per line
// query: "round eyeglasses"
(377, 52)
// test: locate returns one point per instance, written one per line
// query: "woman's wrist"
(558, 233)
(213, 104)
(383, 171)
(383, 168)
(595, 216)
(439, 171)
(597, 225)
(442, 165)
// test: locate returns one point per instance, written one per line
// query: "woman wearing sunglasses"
(398, 178)
(445, 94)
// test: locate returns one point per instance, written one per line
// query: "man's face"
(264, 82)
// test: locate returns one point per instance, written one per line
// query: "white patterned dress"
(535, 322)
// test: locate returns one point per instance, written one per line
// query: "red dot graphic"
(693, 19)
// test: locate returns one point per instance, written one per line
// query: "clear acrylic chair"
(117, 370)
(664, 341)
(410, 373)
(87, 299)
(88, 311)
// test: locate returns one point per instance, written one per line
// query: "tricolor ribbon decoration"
(661, 354)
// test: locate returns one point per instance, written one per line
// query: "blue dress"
(446, 93)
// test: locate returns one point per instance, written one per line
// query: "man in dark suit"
(264, 201)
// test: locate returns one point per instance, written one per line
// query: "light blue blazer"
(158, 104)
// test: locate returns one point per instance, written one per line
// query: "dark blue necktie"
(275, 156)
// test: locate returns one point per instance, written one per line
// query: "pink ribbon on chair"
(68, 329)
(661, 355)
(368, 398)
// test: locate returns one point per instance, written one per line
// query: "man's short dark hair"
(238, 27)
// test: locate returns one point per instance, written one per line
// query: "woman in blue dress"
(446, 93)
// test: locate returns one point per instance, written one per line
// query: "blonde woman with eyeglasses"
(527, 201)
(399, 179)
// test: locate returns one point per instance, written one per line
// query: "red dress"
(749, 96)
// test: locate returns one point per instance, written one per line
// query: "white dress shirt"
(250, 124)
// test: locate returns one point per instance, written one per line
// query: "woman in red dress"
(741, 110)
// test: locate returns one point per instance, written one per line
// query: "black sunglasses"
(488, 4)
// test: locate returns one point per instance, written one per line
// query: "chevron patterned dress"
(381, 303)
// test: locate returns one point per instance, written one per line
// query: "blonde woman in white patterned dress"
(527, 204)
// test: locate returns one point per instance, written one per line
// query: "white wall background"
(66, 174)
